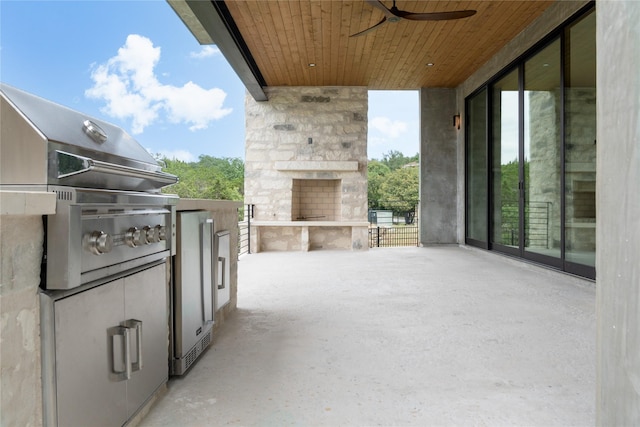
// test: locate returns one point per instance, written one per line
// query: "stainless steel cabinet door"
(193, 279)
(145, 298)
(89, 353)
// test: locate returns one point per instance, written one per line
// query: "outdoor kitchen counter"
(25, 203)
(207, 205)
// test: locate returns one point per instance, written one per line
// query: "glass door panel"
(477, 167)
(505, 174)
(542, 152)
(580, 140)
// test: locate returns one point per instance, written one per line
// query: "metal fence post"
(249, 215)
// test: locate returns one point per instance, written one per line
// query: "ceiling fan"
(394, 15)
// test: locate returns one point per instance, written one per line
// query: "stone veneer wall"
(21, 239)
(324, 126)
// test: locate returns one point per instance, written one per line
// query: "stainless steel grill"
(110, 213)
(105, 272)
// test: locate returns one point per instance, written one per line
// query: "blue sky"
(135, 64)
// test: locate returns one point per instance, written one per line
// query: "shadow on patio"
(408, 336)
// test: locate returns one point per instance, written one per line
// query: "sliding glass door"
(505, 164)
(530, 154)
(542, 153)
(580, 141)
(477, 179)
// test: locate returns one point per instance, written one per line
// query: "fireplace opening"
(316, 199)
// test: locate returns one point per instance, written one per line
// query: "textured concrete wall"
(438, 161)
(21, 239)
(618, 219)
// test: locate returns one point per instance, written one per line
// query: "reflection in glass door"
(505, 174)
(538, 154)
(477, 169)
(580, 140)
(542, 152)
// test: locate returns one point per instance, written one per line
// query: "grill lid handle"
(72, 164)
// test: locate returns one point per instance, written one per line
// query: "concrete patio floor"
(395, 337)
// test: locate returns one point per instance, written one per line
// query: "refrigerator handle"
(223, 260)
(206, 253)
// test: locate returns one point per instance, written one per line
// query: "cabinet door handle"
(137, 326)
(223, 260)
(122, 331)
(207, 277)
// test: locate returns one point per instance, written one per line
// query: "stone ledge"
(24, 203)
(317, 165)
(309, 224)
(207, 204)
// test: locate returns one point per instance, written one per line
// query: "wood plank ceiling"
(285, 36)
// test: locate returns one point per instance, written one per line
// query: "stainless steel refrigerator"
(193, 288)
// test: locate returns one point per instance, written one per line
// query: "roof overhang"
(211, 23)
(310, 42)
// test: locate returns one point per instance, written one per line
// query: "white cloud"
(392, 129)
(131, 89)
(205, 52)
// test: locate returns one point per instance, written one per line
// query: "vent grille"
(205, 341)
(64, 195)
(192, 356)
(197, 349)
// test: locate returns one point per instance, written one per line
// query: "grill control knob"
(99, 242)
(149, 235)
(154, 234)
(133, 237)
(161, 232)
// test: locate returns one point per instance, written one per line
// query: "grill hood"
(44, 143)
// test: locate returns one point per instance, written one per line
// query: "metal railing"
(244, 230)
(537, 224)
(379, 237)
(389, 237)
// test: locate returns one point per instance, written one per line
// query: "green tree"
(400, 189)
(209, 178)
(509, 181)
(376, 172)
(395, 159)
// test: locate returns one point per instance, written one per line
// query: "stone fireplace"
(316, 199)
(306, 168)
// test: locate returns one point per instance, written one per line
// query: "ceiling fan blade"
(379, 5)
(361, 33)
(436, 16)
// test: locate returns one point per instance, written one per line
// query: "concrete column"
(618, 213)
(438, 160)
